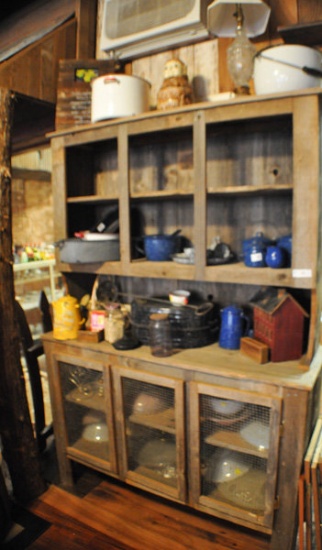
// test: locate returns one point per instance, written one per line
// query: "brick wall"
(32, 211)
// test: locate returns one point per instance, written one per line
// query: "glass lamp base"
(240, 61)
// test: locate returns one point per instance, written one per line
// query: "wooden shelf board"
(164, 421)
(156, 476)
(233, 190)
(90, 132)
(233, 440)
(94, 199)
(91, 402)
(160, 194)
(235, 273)
(250, 189)
(98, 450)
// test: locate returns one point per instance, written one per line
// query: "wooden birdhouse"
(279, 323)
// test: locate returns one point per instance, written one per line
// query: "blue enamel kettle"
(234, 324)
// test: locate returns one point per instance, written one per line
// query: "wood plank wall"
(31, 67)
(33, 71)
(206, 61)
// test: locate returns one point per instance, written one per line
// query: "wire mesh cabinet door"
(234, 443)
(83, 414)
(150, 422)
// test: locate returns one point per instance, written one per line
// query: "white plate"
(181, 258)
(100, 237)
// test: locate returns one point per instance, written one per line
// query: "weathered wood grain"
(118, 517)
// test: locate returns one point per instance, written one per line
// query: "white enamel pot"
(287, 67)
(119, 95)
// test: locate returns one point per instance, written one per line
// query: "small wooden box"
(255, 349)
(90, 335)
(74, 92)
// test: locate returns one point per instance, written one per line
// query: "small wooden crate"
(90, 335)
(255, 349)
(74, 91)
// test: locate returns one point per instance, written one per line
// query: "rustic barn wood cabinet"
(158, 428)
(226, 170)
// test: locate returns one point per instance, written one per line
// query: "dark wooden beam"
(19, 445)
(32, 120)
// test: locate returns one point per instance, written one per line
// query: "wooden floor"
(114, 516)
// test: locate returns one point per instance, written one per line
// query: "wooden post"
(20, 450)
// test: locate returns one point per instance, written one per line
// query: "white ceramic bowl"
(271, 75)
(158, 454)
(226, 407)
(226, 465)
(189, 252)
(97, 433)
(257, 434)
(148, 404)
(179, 297)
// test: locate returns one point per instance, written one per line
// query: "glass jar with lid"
(114, 323)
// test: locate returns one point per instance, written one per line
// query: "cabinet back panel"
(79, 168)
(106, 170)
(166, 216)
(236, 219)
(165, 163)
(85, 216)
(221, 294)
(90, 168)
(249, 154)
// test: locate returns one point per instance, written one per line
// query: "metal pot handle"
(59, 244)
(311, 71)
(204, 308)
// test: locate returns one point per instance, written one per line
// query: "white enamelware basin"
(119, 95)
(282, 68)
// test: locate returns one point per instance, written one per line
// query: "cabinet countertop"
(210, 360)
(238, 100)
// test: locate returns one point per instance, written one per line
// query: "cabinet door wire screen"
(150, 430)
(84, 407)
(234, 442)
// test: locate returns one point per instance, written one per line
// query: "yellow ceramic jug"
(67, 318)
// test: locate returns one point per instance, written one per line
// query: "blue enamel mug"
(234, 324)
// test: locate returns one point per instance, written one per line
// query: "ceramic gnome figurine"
(175, 90)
